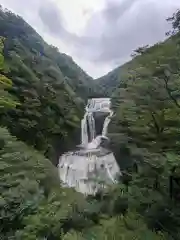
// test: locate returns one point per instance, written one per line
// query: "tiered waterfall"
(93, 166)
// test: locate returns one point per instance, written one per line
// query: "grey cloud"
(52, 20)
(130, 32)
(104, 33)
(51, 17)
(110, 35)
(122, 27)
(113, 33)
(115, 10)
(136, 24)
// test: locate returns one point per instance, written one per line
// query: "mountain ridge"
(51, 88)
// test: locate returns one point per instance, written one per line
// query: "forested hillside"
(41, 103)
(49, 86)
(145, 129)
(113, 79)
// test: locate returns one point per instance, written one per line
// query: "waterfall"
(94, 143)
(82, 169)
(84, 130)
(88, 122)
(106, 124)
(92, 129)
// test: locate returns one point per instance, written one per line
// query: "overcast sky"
(98, 34)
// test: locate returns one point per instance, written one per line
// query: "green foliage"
(33, 205)
(6, 101)
(175, 20)
(51, 90)
(49, 86)
(129, 227)
(147, 101)
(140, 51)
(145, 131)
(25, 176)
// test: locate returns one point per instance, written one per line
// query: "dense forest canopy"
(50, 87)
(41, 103)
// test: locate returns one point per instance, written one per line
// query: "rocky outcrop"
(99, 121)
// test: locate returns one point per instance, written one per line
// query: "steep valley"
(43, 95)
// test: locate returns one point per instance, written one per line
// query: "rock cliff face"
(99, 121)
(92, 166)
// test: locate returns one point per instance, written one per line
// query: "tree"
(140, 51)
(6, 100)
(175, 21)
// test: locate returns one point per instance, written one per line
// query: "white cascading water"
(87, 168)
(106, 124)
(92, 128)
(84, 130)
